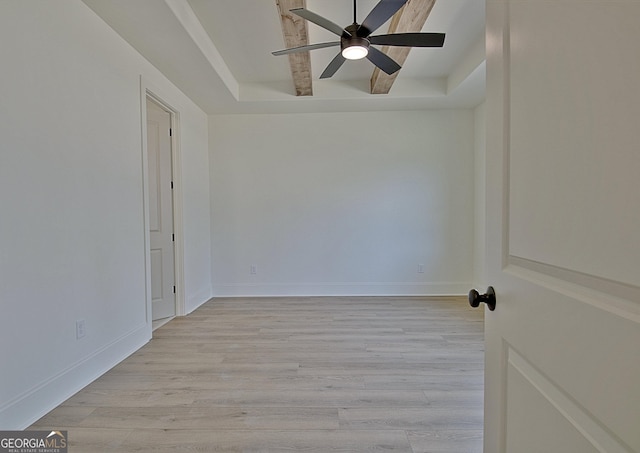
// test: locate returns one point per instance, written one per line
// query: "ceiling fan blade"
(319, 20)
(409, 39)
(379, 15)
(382, 61)
(321, 45)
(333, 66)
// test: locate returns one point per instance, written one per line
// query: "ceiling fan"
(355, 39)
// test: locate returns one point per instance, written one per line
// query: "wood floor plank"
(316, 374)
(318, 398)
(213, 418)
(446, 441)
(313, 441)
(416, 419)
(146, 382)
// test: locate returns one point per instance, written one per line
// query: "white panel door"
(563, 226)
(160, 212)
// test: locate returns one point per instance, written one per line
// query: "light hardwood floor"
(339, 374)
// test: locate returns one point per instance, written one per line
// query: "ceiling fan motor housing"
(353, 41)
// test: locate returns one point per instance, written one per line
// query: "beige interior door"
(161, 212)
(563, 226)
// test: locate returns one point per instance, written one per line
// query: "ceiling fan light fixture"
(355, 48)
(355, 52)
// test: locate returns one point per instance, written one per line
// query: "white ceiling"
(218, 52)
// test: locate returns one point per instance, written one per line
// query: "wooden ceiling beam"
(295, 33)
(410, 18)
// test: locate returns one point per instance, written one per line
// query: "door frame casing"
(149, 91)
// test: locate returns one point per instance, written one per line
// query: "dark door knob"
(488, 298)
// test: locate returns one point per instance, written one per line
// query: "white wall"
(480, 147)
(343, 203)
(72, 222)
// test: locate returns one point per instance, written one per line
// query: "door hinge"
(170, 132)
(172, 184)
(174, 289)
(173, 237)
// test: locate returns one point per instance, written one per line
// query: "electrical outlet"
(80, 329)
(253, 270)
(420, 268)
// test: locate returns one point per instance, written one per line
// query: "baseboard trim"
(341, 289)
(25, 409)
